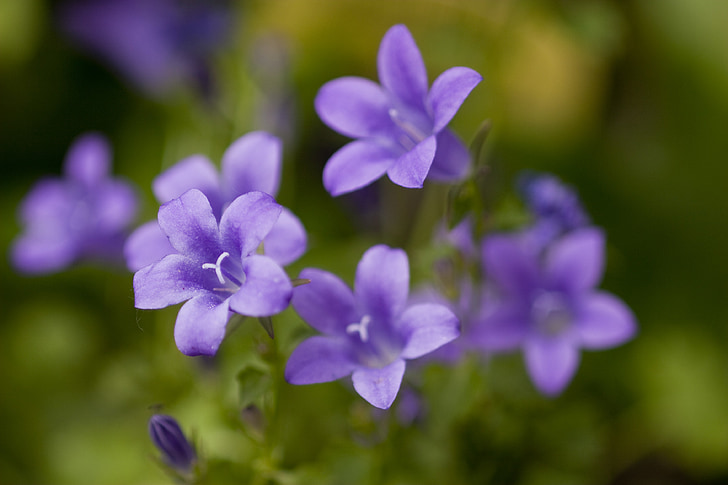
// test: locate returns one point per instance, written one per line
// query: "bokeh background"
(626, 100)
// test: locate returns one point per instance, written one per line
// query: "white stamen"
(361, 328)
(409, 128)
(217, 266)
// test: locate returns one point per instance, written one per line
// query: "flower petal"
(382, 282)
(355, 107)
(425, 328)
(551, 362)
(266, 290)
(449, 91)
(115, 206)
(355, 165)
(411, 169)
(604, 321)
(379, 386)
(326, 303)
(88, 161)
(247, 221)
(504, 328)
(35, 253)
(319, 359)
(401, 69)
(252, 162)
(200, 326)
(146, 245)
(286, 241)
(194, 172)
(576, 261)
(191, 227)
(511, 264)
(452, 158)
(172, 280)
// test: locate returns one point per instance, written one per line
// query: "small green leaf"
(254, 381)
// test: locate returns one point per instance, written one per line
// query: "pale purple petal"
(551, 363)
(355, 165)
(172, 280)
(355, 107)
(191, 227)
(48, 202)
(146, 245)
(504, 328)
(266, 290)
(382, 282)
(452, 158)
(604, 321)
(319, 359)
(115, 206)
(411, 169)
(43, 253)
(200, 325)
(326, 303)
(286, 241)
(400, 66)
(508, 261)
(449, 91)
(426, 327)
(88, 161)
(194, 172)
(252, 162)
(576, 261)
(379, 386)
(248, 220)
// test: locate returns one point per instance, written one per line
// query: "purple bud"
(166, 435)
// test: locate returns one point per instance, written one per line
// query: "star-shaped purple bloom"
(548, 304)
(368, 333)
(251, 163)
(400, 124)
(215, 267)
(83, 216)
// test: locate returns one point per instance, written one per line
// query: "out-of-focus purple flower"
(555, 206)
(400, 124)
(83, 216)
(156, 44)
(251, 163)
(368, 333)
(215, 267)
(548, 305)
(169, 439)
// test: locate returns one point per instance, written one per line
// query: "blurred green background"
(626, 100)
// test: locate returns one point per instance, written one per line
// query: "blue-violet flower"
(400, 125)
(215, 267)
(251, 163)
(167, 436)
(83, 216)
(548, 305)
(368, 333)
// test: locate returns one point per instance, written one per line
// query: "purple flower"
(400, 125)
(215, 267)
(555, 206)
(168, 437)
(156, 44)
(368, 333)
(548, 304)
(83, 216)
(251, 163)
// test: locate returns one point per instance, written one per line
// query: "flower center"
(361, 327)
(411, 135)
(224, 275)
(551, 313)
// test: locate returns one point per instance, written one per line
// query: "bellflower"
(82, 216)
(400, 125)
(368, 333)
(548, 305)
(251, 163)
(215, 268)
(167, 436)
(156, 44)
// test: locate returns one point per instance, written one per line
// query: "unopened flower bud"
(166, 435)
